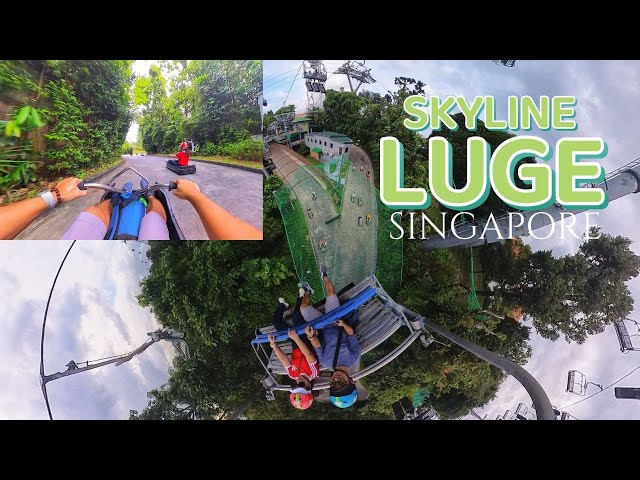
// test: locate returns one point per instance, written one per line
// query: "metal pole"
(541, 402)
(118, 361)
(473, 412)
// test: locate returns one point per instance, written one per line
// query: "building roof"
(336, 137)
(301, 119)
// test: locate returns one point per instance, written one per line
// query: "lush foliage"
(212, 102)
(84, 105)
(249, 150)
(17, 166)
(573, 295)
(219, 292)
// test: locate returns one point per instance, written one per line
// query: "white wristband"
(48, 198)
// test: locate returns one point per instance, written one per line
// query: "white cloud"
(93, 314)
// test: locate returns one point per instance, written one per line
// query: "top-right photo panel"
(485, 205)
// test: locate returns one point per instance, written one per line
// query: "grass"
(313, 161)
(225, 159)
(33, 189)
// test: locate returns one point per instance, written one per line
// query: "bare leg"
(306, 300)
(155, 205)
(102, 210)
(328, 286)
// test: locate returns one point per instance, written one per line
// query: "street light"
(73, 368)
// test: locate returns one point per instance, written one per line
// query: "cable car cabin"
(380, 318)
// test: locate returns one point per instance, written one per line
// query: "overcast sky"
(93, 314)
(608, 95)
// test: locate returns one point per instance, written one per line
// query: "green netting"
(473, 303)
(389, 251)
(356, 257)
(331, 214)
(295, 225)
(333, 176)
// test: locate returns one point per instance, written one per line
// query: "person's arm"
(312, 336)
(347, 328)
(286, 363)
(16, 217)
(219, 223)
(309, 355)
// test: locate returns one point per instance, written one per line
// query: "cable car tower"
(357, 71)
(315, 75)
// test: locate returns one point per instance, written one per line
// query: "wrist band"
(57, 192)
(48, 198)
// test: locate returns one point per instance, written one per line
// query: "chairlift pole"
(73, 368)
(540, 399)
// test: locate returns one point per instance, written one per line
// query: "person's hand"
(293, 334)
(340, 322)
(272, 340)
(309, 331)
(186, 189)
(69, 190)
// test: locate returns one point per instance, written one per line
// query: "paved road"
(237, 190)
(360, 158)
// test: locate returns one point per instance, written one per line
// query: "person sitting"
(303, 367)
(337, 351)
(183, 159)
(219, 223)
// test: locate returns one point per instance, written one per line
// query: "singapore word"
(522, 113)
(504, 227)
(572, 184)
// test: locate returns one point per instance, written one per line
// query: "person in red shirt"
(303, 366)
(183, 158)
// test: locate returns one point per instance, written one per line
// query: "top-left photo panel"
(131, 149)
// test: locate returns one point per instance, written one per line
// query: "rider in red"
(183, 154)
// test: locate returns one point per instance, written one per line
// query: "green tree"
(575, 295)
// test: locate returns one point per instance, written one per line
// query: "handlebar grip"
(172, 186)
(81, 186)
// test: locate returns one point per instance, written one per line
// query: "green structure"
(333, 216)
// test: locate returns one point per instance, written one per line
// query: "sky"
(608, 95)
(141, 69)
(93, 314)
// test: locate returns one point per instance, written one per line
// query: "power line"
(299, 68)
(44, 323)
(268, 79)
(608, 386)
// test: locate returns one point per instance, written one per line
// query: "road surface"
(237, 190)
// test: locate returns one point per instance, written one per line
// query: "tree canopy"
(573, 295)
(209, 101)
(85, 106)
